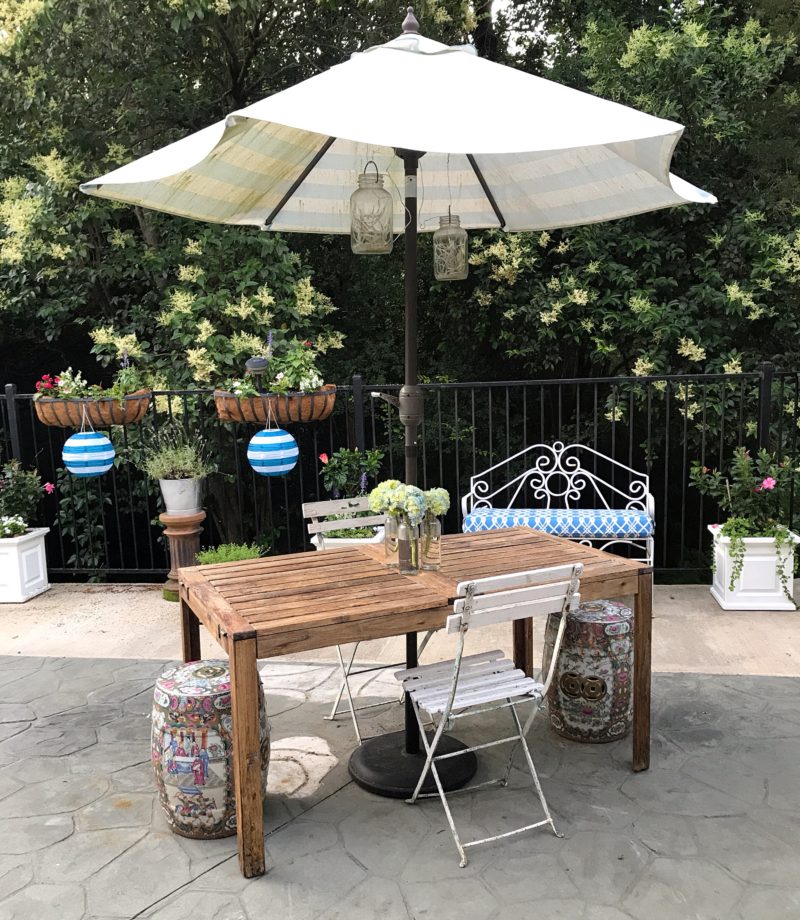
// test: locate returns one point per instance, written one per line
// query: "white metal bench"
(570, 491)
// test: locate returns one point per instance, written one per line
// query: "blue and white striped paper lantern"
(272, 452)
(88, 453)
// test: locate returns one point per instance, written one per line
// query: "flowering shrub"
(12, 526)
(20, 491)
(347, 472)
(756, 490)
(756, 496)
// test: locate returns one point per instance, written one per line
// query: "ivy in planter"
(756, 496)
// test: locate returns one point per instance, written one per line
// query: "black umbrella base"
(381, 765)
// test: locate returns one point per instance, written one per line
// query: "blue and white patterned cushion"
(574, 523)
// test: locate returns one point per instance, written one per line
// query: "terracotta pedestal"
(183, 532)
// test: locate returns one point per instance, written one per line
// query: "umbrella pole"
(411, 401)
(391, 764)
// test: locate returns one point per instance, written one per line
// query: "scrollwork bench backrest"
(559, 476)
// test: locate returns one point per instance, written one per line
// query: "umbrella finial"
(410, 24)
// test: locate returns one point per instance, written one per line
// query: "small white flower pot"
(181, 496)
(23, 566)
(759, 585)
(320, 541)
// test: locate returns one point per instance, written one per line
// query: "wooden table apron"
(303, 601)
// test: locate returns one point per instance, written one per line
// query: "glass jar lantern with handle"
(450, 250)
(371, 215)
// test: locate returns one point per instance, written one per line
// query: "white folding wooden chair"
(468, 685)
(330, 516)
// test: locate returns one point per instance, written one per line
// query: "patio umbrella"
(499, 147)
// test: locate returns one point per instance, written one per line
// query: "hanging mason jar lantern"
(371, 215)
(450, 251)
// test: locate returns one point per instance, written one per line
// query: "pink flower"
(768, 484)
(323, 458)
(714, 526)
(49, 488)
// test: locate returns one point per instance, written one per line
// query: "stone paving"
(710, 832)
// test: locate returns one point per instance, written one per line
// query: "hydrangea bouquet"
(405, 508)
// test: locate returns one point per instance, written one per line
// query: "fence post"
(767, 371)
(13, 421)
(358, 412)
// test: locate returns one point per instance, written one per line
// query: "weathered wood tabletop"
(303, 601)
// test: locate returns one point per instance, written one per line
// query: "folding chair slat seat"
(452, 689)
(324, 518)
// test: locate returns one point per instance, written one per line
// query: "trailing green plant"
(20, 491)
(81, 524)
(176, 454)
(756, 496)
(230, 552)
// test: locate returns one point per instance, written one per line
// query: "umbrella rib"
(298, 182)
(486, 190)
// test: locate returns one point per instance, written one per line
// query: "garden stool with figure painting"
(192, 748)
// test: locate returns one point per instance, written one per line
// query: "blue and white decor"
(88, 453)
(272, 452)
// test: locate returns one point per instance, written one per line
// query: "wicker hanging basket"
(278, 407)
(99, 413)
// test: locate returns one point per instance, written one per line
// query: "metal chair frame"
(493, 684)
(324, 517)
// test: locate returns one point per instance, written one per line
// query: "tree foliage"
(90, 84)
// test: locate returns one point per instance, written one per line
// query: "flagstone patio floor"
(710, 831)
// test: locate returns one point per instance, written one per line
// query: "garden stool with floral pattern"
(192, 748)
(590, 698)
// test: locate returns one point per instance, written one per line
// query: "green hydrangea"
(438, 502)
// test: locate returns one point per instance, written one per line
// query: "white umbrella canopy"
(502, 149)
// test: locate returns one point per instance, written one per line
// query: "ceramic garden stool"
(192, 748)
(590, 698)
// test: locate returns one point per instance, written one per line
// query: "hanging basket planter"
(283, 408)
(99, 413)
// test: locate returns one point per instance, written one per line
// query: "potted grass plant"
(754, 550)
(179, 461)
(23, 563)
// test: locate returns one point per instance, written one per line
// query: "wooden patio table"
(303, 601)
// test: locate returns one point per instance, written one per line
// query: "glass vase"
(390, 540)
(431, 545)
(407, 549)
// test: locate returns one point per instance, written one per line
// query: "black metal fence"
(108, 527)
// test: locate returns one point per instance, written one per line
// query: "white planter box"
(758, 587)
(23, 566)
(335, 542)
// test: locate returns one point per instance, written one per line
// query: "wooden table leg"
(642, 638)
(190, 633)
(247, 753)
(523, 645)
